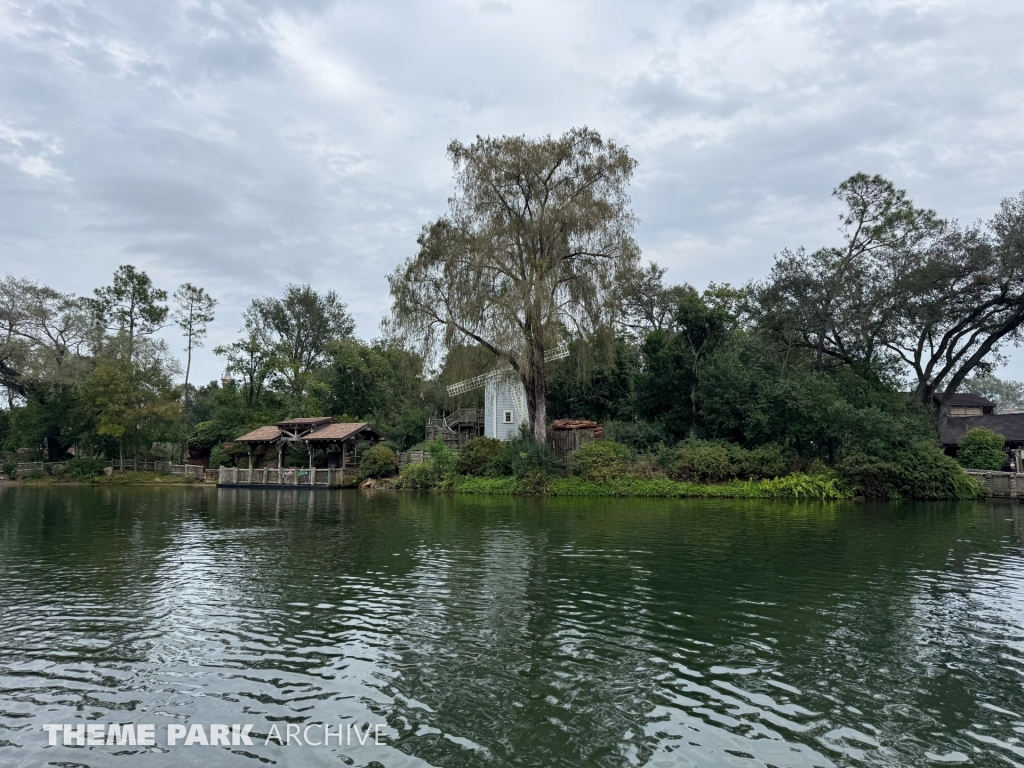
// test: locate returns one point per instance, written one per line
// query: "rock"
(370, 483)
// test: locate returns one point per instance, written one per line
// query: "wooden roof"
(1009, 425)
(325, 430)
(260, 435)
(305, 421)
(338, 432)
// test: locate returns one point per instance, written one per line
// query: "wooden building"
(267, 447)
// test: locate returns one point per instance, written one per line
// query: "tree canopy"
(537, 237)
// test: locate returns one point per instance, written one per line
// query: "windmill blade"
(468, 385)
(461, 387)
(557, 353)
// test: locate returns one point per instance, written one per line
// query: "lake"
(487, 631)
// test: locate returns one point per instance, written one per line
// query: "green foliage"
(82, 469)
(697, 461)
(639, 436)
(981, 449)
(499, 486)
(220, 458)
(378, 461)
(920, 471)
(796, 486)
(476, 456)
(9, 469)
(602, 460)
(524, 457)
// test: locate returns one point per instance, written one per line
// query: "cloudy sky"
(244, 145)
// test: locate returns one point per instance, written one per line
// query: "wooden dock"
(232, 477)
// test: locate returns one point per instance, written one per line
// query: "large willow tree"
(537, 237)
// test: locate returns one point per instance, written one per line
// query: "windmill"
(502, 387)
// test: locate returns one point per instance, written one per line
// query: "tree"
(253, 360)
(981, 449)
(673, 358)
(133, 398)
(909, 293)
(536, 240)
(299, 328)
(648, 304)
(193, 312)
(130, 306)
(1007, 395)
(45, 339)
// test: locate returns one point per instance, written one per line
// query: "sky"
(241, 146)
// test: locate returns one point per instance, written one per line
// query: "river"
(487, 631)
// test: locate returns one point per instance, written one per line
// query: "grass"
(796, 486)
(118, 478)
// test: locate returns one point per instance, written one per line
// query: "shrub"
(82, 469)
(920, 471)
(378, 461)
(219, 457)
(981, 449)
(523, 456)
(764, 462)
(420, 476)
(476, 455)
(602, 460)
(638, 436)
(699, 461)
(9, 469)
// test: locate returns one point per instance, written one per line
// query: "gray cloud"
(244, 145)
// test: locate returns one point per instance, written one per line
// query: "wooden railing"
(999, 485)
(288, 476)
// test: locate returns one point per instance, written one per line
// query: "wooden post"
(328, 477)
(280, 454)
(250, 458)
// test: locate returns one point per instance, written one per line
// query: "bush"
(638, 436)
(602, 460)
(83, 469)
(699, 461)
(522, 457)
(9, 469)
(420, 477)
(920, 471)
(476, 455)
(981, 449)
(764, 462)
(378, 461)
(220, 458)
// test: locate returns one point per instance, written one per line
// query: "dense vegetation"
(794, 385)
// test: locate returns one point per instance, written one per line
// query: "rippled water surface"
(501, 632)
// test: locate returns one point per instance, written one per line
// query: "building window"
(508, 417)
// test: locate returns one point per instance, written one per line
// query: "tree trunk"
(536, 396)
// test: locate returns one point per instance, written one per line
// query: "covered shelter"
(339, 442)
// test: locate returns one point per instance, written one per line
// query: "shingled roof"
(329, 431)
(966, 400)
(260, 435)
(1009, 425)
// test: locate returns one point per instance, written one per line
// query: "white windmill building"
(504, 397)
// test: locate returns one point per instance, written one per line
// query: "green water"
(512, 632)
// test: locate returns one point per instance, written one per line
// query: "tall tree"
(130, 306)
(537, 236)
(299, 327)
(193, 311)
(45, 338)
(908, 294)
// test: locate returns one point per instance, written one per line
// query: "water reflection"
(488, 631)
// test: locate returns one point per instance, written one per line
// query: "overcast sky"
(241, 146)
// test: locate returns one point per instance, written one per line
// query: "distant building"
(501, 417)
(967, 404)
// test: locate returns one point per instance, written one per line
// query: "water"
(512, 632)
